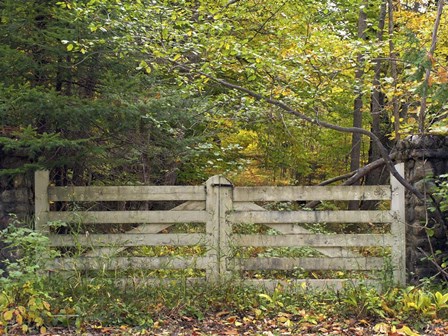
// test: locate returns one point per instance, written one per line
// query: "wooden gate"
(253, 233)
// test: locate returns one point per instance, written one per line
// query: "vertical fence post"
(218, 202)
(41, 205)
(398, 228)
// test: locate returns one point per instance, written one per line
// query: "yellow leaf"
(25, 328)
(283, 319)
(408, 331)
(7, 315)
(69, 47)
(39, 321)
(381, 327)
(21, 309)
(289, 323)
(43, 330)
(19, 319)
(265, 296)
(443, 75)
(47, 305)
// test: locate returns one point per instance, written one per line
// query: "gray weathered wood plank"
(314, 240)
(122, 239)
(121, 217)
(135, 282)
(305, 284)
(360, 263)
(272, 217)
(218, 204)
(41, 204)
(311, 193)
(141, 263)
(398, 228)
(126, 193)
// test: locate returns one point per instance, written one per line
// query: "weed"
(426, 304)
(362, 301)
(24, 302)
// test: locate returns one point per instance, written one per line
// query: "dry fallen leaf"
(222, 313)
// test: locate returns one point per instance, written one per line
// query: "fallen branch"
(338, 178)
(352, 177)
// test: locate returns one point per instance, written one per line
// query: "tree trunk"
(423, 103)
(355, 154)
(377, 176)
(394, 72)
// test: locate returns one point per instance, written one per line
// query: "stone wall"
(16, 191)
(425, 157)
(16, 199)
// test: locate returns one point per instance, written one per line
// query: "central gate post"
(219, 201)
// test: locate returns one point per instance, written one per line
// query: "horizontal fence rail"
(311, 193)
(107, 238)
(117, 217)
(340, 216)
(275, 263)
(128, 240)
(127, 193)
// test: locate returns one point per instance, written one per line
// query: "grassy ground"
(100, 308)
(33, 303)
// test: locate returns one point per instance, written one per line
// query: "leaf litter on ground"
(227, 323)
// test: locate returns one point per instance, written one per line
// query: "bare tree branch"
(383, 152)
(442, 271)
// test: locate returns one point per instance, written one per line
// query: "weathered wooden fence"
(221, 207)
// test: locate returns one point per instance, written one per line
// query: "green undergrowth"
(32, 300)
(76, 303)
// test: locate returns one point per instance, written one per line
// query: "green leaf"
(7, 315)
(265, 296)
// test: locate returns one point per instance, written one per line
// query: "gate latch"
(222, 185)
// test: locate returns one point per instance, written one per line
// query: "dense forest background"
(172, 92)
(162, 92)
